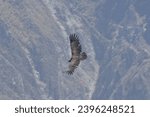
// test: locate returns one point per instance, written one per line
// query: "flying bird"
(76, 53)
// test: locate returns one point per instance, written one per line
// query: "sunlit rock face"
(35, 49)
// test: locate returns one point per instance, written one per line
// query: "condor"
(76, 53)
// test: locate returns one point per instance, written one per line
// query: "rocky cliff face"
(34, 49)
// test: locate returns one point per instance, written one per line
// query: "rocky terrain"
(35, 49)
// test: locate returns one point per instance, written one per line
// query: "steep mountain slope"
(34, 49)
(34, 53)
(125, 65)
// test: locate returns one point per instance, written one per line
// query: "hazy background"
(34, 49)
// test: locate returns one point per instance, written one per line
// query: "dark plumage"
(76, 52)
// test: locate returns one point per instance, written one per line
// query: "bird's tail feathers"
(83, 56)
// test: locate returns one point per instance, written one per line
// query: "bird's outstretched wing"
(76, 55)
(75, 46)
